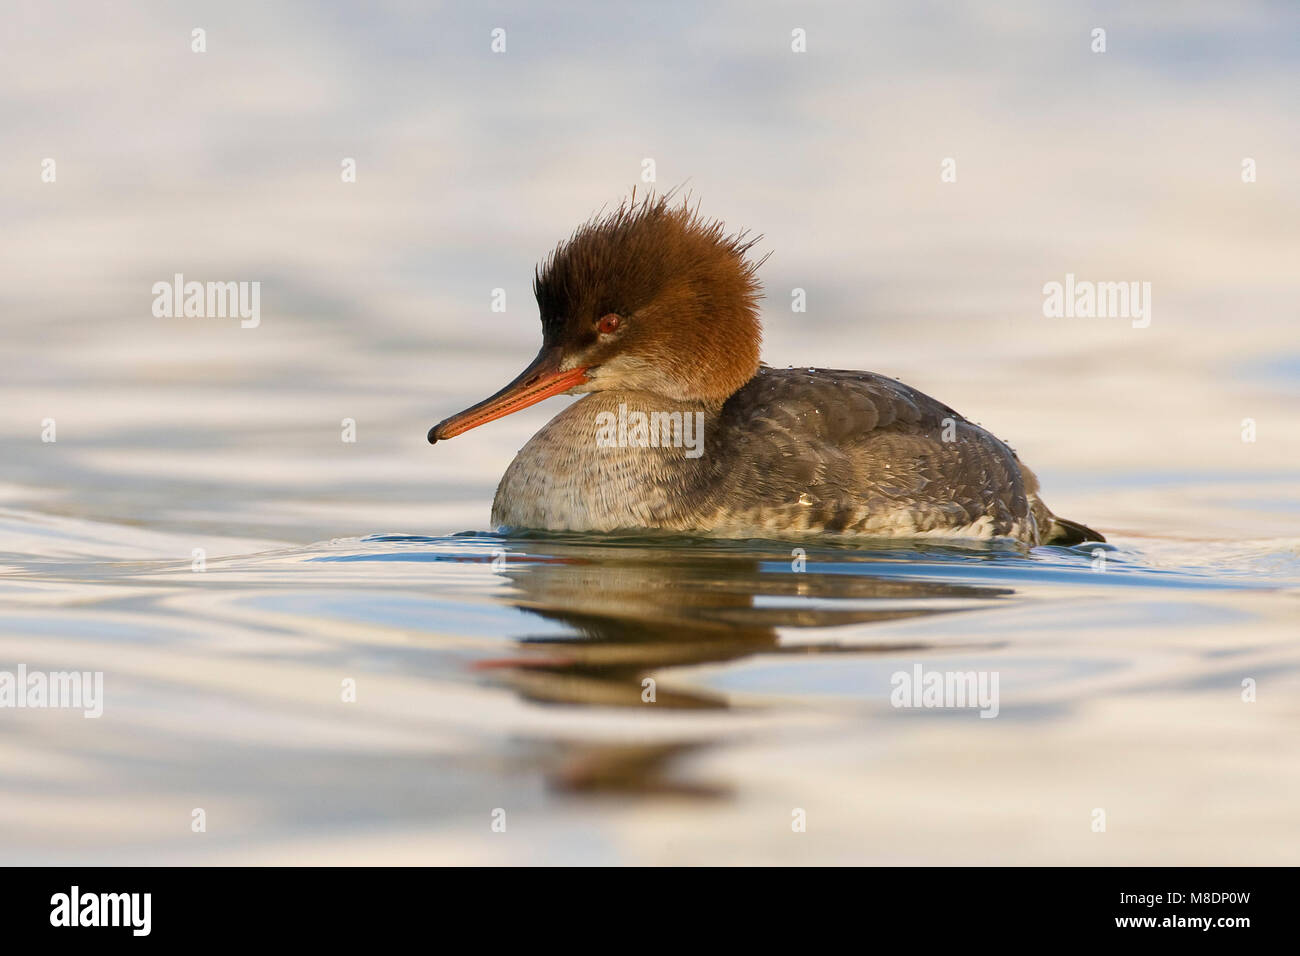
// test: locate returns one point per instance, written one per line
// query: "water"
(496, 673)
(507, 674)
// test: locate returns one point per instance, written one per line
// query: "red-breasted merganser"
(653, 312)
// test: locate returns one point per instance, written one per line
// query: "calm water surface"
(507, 673)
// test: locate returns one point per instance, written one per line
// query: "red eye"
(608, 323)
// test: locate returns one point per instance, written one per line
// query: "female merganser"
(653, 311)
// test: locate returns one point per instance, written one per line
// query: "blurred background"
(225, 165)
(376, 295)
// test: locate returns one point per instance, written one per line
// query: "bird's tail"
(1067, 532)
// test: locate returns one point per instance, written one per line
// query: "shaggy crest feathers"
(686, 285)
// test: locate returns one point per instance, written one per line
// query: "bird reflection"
(635, 611)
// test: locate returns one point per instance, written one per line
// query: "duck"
(651, 313)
